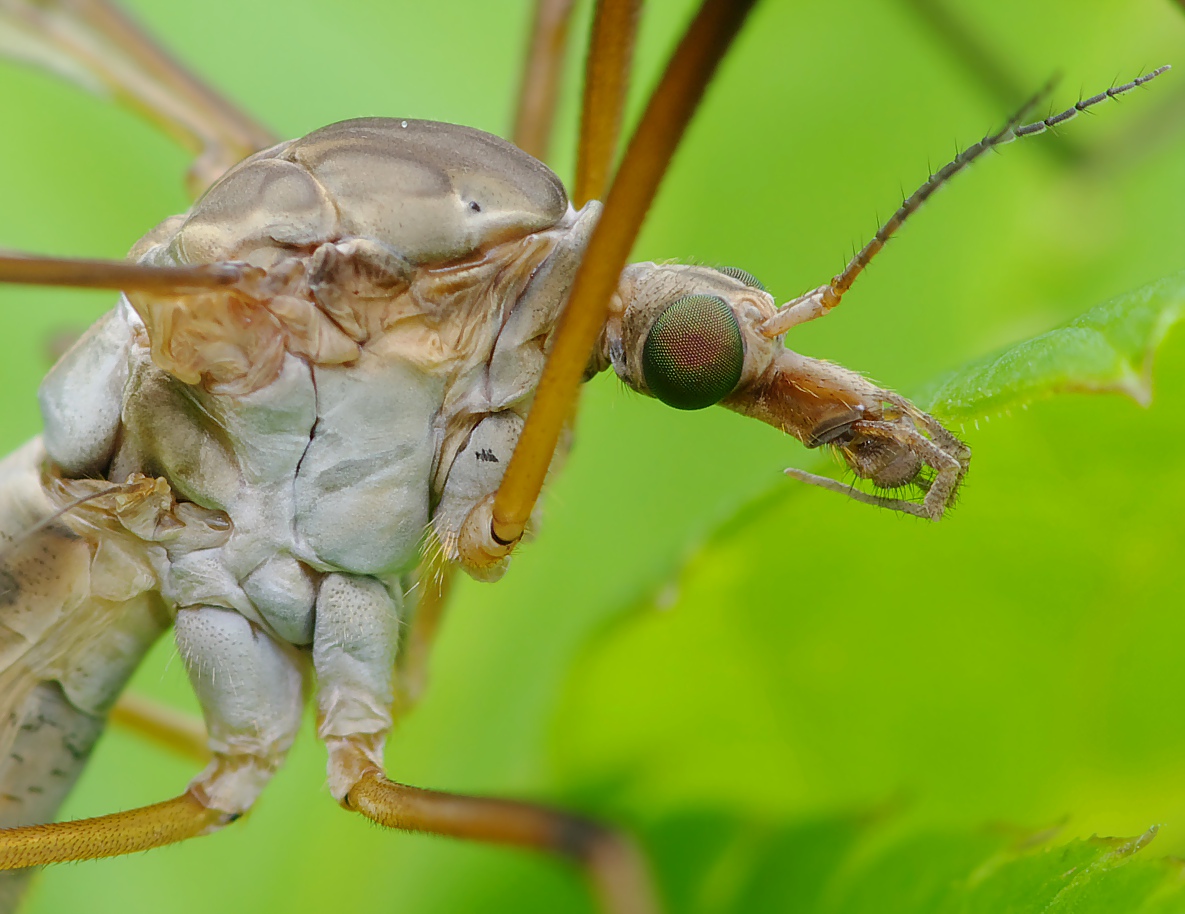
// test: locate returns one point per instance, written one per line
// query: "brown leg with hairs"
(613, 867)
(108, 836)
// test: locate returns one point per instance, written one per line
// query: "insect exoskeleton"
(276, 447)
(408, 274)
(314, 396)
(261, 461)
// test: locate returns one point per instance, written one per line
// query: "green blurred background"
(1020, 662)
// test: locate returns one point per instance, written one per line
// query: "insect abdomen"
(68, 644)
(52, 742)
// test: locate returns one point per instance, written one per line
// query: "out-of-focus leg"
(101, 48)
(542, 72)
(163, 725)
(433, 590)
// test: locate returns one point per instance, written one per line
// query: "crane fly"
(353, 337)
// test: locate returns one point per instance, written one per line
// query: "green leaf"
(1110, 348)
(816, 656)
(711, 863)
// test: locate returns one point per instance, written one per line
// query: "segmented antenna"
(831, 294)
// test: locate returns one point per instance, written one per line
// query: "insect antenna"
(829, 296)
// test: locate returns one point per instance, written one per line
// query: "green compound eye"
(693, 355)
(744, 276)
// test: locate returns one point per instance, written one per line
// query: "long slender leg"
(542, 73)
(108, 836)
(101, 47)
(215, 114)
(606, 82)
(433, 590)
(614, 868)
(122, 275)
(357, 625)
(634, 187)
(163, 725)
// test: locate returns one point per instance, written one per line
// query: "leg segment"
(251, 690)
(163, 725)
(54, 721)
(614, 868)
(541, 76)
(101, 48)
(612, 865)
(634, 188)
(354, 643)
(606, 81)
(353, 652)
(108, 836)
(433, 588)
(123, 276)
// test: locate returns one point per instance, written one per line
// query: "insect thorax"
(330, 420)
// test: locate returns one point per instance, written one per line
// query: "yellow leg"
(108, 836)
(615, 869)
(606, 81)
(634, 187)
(163, 725)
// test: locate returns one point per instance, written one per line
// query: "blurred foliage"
(803, 703)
